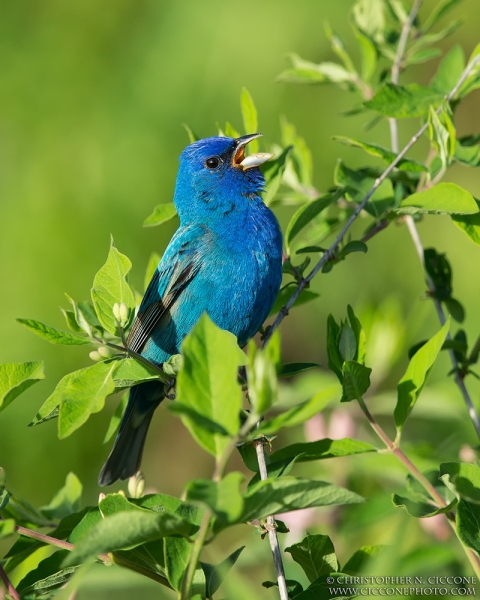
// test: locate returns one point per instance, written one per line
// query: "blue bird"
(225, 259)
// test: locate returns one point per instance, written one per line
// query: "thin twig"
(409, 219)
(331, 250)
(199, 542)
(271, 525)
(442, 318)
(47, 539)
(420, 477)
(125, 350)
(397, 64)
(8, 584)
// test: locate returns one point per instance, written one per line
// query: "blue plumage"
(225, 259)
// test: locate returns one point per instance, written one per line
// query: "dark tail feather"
(126, 455)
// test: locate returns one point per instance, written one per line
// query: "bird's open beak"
(254, 160)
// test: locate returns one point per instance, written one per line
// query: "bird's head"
(216, 176)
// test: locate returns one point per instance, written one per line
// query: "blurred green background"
(92, 101)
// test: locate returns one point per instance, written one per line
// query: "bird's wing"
(179, 265)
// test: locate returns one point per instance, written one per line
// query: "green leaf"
(291, 493)
(295, 368)
(163, 502)
(369, 17)
(411, 100)
(249, 115)
(443, 198)
(194, 416)
(16, 378)
(356, 380)
(359, 182)
(230, 131)
(321, 449)
(273, 171)
(347, 344)
(440, 8)
(285, 294)
(129, 372)
(463, 479)
(275, 469)
(116, 419)
(262, 376)
(472, 82)
(125, 530)
(335, 361)
(162, 213)
(468, 519)
(306, 214)
(470, 224)
(52, 335)
(81, 394)
(316, 555)
(48, 576)
(7, 528)
(293, 587)
(209, 376)
(223, 497)
(66, 501)
(177, 553)
(411, 384)
(449, 70)
(192, 136)
(420, 510)
(421, 55)
(357, 562)
(110, 287)
(369, 54)
(467, 150)
(304, 71)
(300, 413)
(388, 156)
(442, 134)
(360, 338)
(215, 574)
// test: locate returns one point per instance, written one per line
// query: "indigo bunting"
(225, 259)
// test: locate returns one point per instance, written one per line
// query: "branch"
(420, 477)
(199, 542)
(459, 380)
(402, 43)
(271, 525)
(331, 250)
(8, 584)
(409, 219)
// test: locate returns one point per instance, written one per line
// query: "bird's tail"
(126, 455)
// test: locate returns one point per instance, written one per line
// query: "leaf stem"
(47, 539)
(420, 477)
(106, 559)
(199, 542)
(125, 350)
(271, 525)
(8, 584)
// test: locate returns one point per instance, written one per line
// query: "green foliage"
(211, 360)
(160, 536)
(316, 555)
(411, 384)
(110, 287)
(162, 213)
(16, 378)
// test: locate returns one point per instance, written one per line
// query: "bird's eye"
(213, 162)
